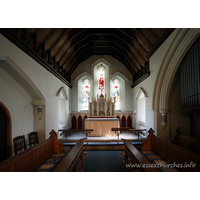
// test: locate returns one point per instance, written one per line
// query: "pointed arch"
(101, 61)
(22, 78)
(129, 122)
(181, 43)
(123, 121)
(8, 129)
(62, 92)
(74, 122)
(140, 98)
(140, 90)
(80, 122)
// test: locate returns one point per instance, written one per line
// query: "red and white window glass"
(116, 94)
(86, 94)
(101, 82)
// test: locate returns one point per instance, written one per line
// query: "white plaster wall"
(153, 118)
(18, 102)
(46, 82)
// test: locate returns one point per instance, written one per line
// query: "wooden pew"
(74, 159)
(136, 158)
(172, 154)
(187, 142)
(179, 158)
(68, 131)
(30, 159)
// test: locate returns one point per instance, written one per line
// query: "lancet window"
(101, 81)
(116, 94)
(86, 94)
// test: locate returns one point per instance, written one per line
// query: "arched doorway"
(5, 133)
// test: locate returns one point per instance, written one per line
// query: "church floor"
(103, 161)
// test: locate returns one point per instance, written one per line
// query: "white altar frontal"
(102, 126)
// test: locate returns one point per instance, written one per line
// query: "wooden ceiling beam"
(132, 38)
(127, 43)
(68, 39)
(32, 36)
(46, 39)
(144, 38)
(57, 40)
(128, 56)
(75, 54)
(23, 34)
(160, 41)
(154, 34)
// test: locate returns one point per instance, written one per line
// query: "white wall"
(155, 62)
(19, 103)
(45, 84)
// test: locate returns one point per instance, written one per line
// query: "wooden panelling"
(71, 46)
(30, 159)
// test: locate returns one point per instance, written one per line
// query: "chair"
(19, 143)
(33, 138)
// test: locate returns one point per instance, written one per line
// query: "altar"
(102, 126)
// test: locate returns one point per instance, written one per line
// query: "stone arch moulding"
(8, 129)
(101, 61)
(139, 91)
(118, 75)
(21, 77)
(83, 76)
(181, 43)
(62, 89)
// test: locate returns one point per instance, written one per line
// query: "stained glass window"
(101, 82)
(86, 94)
(116, 94)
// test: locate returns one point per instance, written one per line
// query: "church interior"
(79, 96)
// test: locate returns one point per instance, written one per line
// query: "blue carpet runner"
(103, 161)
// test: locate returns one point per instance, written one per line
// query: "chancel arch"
(168, 71)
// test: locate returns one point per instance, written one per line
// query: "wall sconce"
(164, 117)
(39, 111)
(38, 107)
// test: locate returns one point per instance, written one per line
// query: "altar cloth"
(102, 126)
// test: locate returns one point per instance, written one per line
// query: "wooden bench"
(177, 157)
(136, 158)
(68, 131)
(32, 158)
(187, 142)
